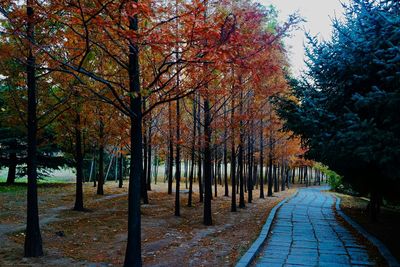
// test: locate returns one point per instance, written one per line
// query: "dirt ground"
(386, 229)
(99, 236)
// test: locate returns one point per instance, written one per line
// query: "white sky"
(317, 13)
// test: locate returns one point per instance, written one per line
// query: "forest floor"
(386, 229)
(99, 236)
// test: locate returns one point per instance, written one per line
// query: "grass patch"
(21, 184)
(5, 188)
(47, 180)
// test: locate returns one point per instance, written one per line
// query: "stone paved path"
(306, 233)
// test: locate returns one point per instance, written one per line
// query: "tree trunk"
(233, 158)
(287, 175)
(100, 181)
(94, 168)
(33, 239)
(133, 249)
(250, 170)
(178, 160)
(276, 182)
(215, 170)
(156, 165)
(261, 160)
(192, 155)
(79, 165)
(240, 156)
(306, 175)
(12, 164)
(241, 178)
(283, 177)
(293, 174)
(219, 171)
(319, 177)
(300, 175)
(226, 165)
(170, 150)
(149, 159)
(199, 178)
(199, 163)
(120, 171)
(270, 166)
(185, 174)
(207, 163)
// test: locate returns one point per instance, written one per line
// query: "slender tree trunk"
(283, 177)
(233, 158)
(240, 156)
(319, 177)
(166, 165)
(33, 239)
(157, 159)
(133, 249)
(207, 163)
(237, 174)
(190, 195)
(250, 171)
(215, 170)
(192, 155)
(178, 160)
(100, 182)
(185, 174)
(170, 150)
(95, 177)
(199, 163)
(226, 184)
(270, 166)
(199, 177)
(149, 158)
(287, 175)
(120, 172)
(219, 172)
(293, 174)
(276, 184)
(306, 175)
(301, 172)
(255, 173)
(156, 165)
(241, 178)
(79, 165)
(245, 168)
(299, 175)
(261, 178)
(12, 164)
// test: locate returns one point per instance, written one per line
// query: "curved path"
(305, 232)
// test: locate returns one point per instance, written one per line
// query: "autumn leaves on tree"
(172, 81)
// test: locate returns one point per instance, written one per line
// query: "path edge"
(252, 252)
(383, 250)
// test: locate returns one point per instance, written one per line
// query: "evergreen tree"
(346, 108)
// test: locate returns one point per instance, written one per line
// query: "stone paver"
(305, 232)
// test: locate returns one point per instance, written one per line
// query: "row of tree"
(174, 81)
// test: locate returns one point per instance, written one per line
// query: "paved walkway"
(306, 233)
